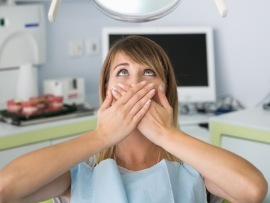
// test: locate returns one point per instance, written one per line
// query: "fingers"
(137, 90)
(139, 97)
(119, 90)
(133, 100)
(116, 93)
(124, 87)
(140, 114)
(138, 109)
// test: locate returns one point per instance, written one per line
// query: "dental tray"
(68, 111)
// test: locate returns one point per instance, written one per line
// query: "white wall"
(242, 44)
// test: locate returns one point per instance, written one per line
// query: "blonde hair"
(142, 51)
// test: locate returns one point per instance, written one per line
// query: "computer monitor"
(191, 52)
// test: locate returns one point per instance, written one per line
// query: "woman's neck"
(136, 152)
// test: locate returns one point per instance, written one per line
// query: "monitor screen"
(191, 53)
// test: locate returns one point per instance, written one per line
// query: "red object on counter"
(41, 103)
(36, 105)
(55, 103)
(29, 107)
(14, 106)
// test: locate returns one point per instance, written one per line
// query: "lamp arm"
(53, 10)
(222, 8)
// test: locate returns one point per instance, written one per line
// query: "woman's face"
(124, 70)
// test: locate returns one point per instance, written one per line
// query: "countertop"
(252, 124)
(14, 136)
(253, 118)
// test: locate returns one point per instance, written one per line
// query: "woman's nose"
(135, 79)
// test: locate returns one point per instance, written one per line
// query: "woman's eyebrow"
(121, 64)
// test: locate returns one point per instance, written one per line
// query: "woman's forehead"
(122, 57)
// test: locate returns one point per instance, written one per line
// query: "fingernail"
(152, 91)
(143, 82)
(121, 85)
(114, 88)
(148, 102)
(114, 92)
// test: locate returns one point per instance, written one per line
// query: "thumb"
(162, 97)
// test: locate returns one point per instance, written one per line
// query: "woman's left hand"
(158, 119)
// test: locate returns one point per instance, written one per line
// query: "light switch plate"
(76, 48)
(92, 46)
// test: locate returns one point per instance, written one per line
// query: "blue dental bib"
(165, 182)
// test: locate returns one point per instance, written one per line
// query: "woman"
(141, 156)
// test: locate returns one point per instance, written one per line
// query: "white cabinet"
(255, 152)
(16, 141)
(8, 155)
(246, 133)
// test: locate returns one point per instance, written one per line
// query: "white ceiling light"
(134, 10)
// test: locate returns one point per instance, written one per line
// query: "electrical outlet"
(92, 46)
(75, 48)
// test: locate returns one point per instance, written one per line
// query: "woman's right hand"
(116, 119)
(24, 179)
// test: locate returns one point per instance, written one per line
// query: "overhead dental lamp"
(134, 10)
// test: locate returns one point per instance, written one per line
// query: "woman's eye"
(122, 72)
(149, 72)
